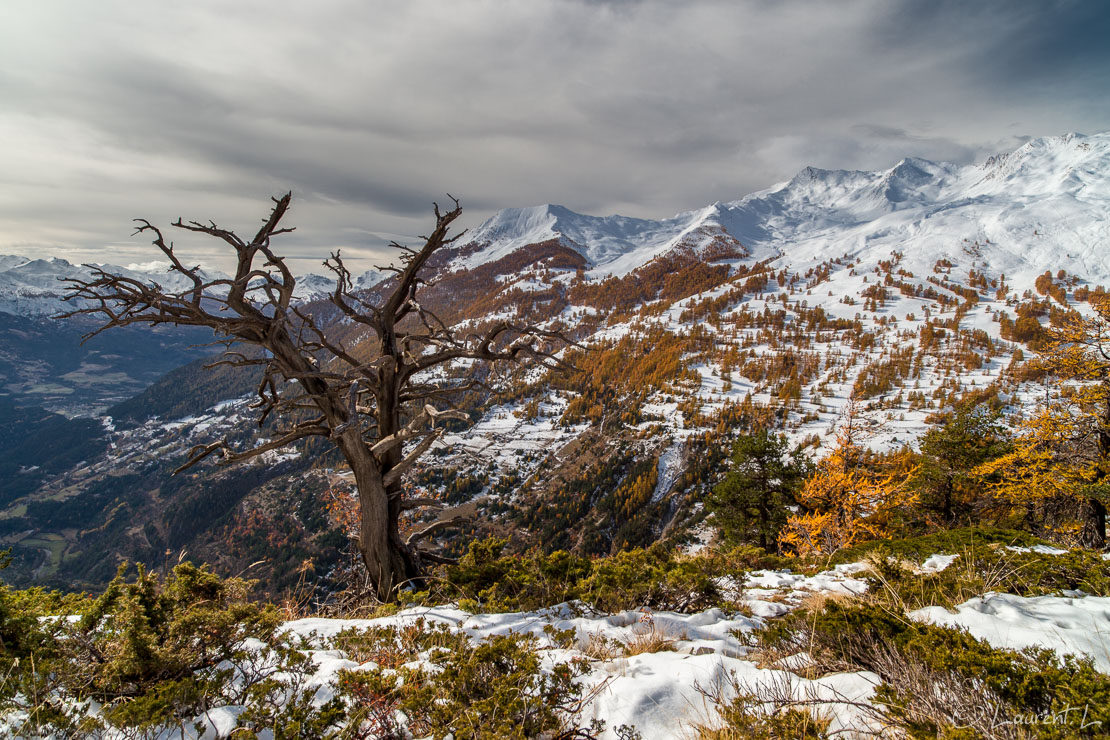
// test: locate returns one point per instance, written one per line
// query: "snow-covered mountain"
(1043, 206)
(37, 288)
(612, 245)
(313, 287)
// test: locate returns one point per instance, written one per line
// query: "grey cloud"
(370, 111)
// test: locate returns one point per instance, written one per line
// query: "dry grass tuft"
(818, 600)
(651, 642)
(774, 709)
(600, 647)
(648, 637)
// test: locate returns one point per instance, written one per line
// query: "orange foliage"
(847, 501)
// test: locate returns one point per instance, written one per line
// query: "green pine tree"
(945, 481)
(750, 504)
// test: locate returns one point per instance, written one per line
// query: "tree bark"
(1096, 509)
(1095, 531)
(390, 564)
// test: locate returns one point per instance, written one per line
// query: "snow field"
(665, 693)
(659, 693)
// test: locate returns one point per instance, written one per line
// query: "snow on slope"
(657, 693)
(36, 287)
(1076, 624)
(1043, 206)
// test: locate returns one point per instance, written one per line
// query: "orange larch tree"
(1049, 475)
(1064, 450)
(848, 499)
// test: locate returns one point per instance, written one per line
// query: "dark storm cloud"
(1007, 42)
(369, 111)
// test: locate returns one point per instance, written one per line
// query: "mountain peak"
(1051, 153)
(837, 211)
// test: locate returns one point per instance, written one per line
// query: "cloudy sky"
(370, 110)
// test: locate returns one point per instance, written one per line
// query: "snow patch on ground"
(658, 693)
(1079, 625)
(772, 593)
(937, 563)
(1039, 549)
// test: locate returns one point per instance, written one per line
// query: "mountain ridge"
(1011, 199)
(915, 198)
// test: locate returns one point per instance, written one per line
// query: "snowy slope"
(1043, 206)
(37, 287)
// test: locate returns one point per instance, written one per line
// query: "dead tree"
(381, 414)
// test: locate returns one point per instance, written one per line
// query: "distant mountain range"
(1044, 206)
(36, 288)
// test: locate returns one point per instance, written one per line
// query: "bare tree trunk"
(1096, 509)
(1094, 534)
(389, 563)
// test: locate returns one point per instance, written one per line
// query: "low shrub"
(495, 690)
(486, 579)
(392, 647)
(150, 651)
(656, 578)
(283, 706)
(947, 541)
(937, 682)
(982, 569)
(744, 718)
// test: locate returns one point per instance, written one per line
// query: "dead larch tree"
(381, 414)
